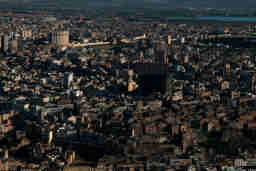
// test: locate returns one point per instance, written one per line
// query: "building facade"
(5, 43)
(60, 38)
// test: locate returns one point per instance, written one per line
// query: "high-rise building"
(186, 59)
(141, 56)
(5, 43)
(60, 38)
(183, 40)
(131, 84)
(169, 39)
(11, 35)
(14, 46)
(152, 77)
(68, 79)
(227, 67)
(6, 154)
(50, 137)
(161, 55)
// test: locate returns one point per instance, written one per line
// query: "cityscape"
(139, 89)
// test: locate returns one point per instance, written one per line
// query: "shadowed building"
(161, 53)
(152, 77)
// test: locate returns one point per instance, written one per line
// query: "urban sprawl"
(125, 93)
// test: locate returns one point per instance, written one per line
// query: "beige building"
(228, 68)
(225, 85)
(60, 38)
(169, 39)
(186, 59)
(14, 46)
(27, 34)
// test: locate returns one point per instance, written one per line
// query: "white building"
(240, 163)
(68, 79)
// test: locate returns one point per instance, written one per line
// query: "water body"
(214, 18)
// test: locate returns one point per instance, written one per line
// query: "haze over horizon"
(142, 3)
(169, 3)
